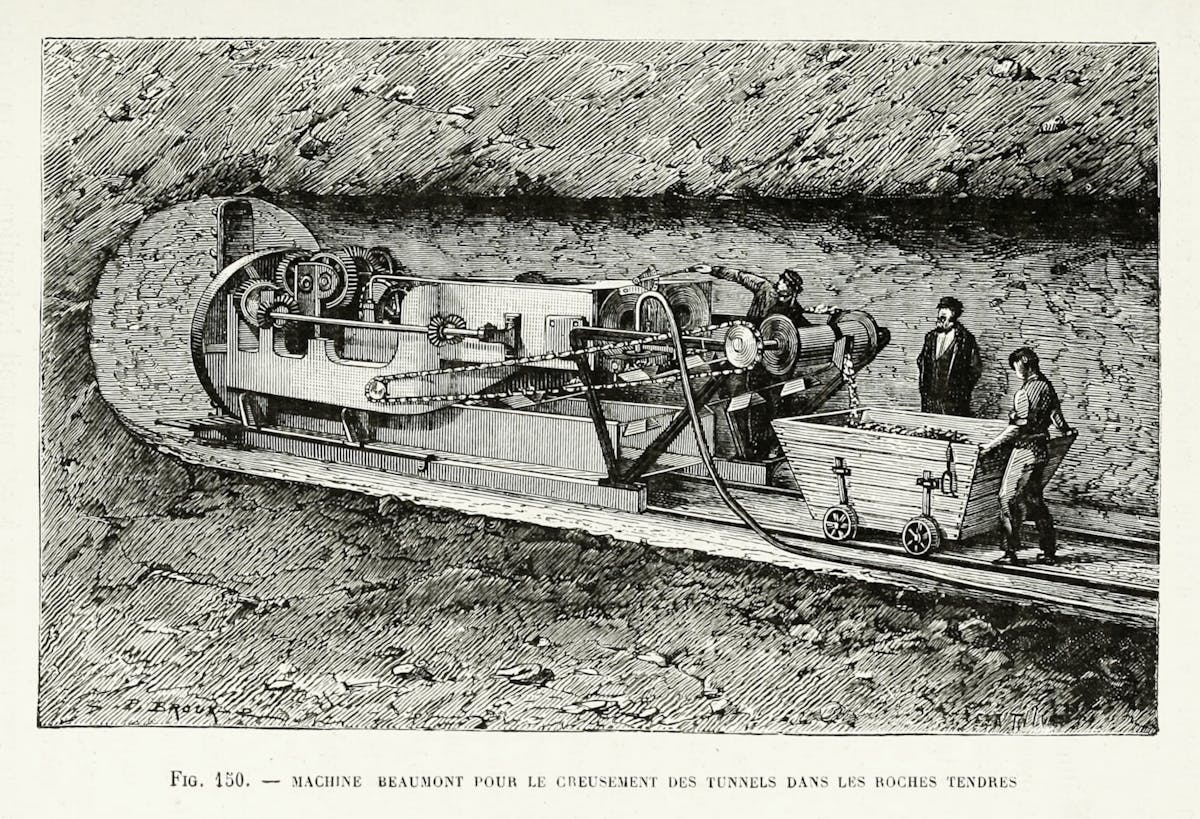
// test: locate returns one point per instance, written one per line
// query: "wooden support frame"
(588, 378)
(664, 439)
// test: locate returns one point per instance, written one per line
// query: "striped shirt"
(1035, 408)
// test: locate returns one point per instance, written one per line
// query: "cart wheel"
(920, 536)
(840, 523)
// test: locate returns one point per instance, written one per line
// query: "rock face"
(144, 304)
(263, 603)
(152, 585)
(606, 119)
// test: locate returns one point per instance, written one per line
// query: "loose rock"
(588, 705)
(1006, 68)
(976, 632)
(402, 93)
(649, 712)
(118, 113)
(656, 658)
(412, 670)
(531, 674)
(1053, 125)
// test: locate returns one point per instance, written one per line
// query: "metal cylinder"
(864, 330)
(816, 345)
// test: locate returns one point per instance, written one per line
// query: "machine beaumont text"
(585, 781)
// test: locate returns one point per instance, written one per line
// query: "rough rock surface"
(608, 119)
(268, 604)
(173, 595)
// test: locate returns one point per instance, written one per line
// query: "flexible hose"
(689, 399)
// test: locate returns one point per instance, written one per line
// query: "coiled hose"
(689, 399)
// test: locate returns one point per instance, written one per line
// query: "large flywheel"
(252, 292)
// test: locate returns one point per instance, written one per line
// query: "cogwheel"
(382, 261)
(387, 309)
(378, 259)
(281, 303)
(338, 286)
(249, 295)
(438, 325)
(376, 390)
(285, 272)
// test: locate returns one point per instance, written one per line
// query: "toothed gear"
(357, 251)
(339, 286)
(438, 326)
(249, 296)
(382, 261)
(376, 390)
(388, 308)
(283, 269)
(281, 303)
(376, 260)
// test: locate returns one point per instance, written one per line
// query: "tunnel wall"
(131, 128)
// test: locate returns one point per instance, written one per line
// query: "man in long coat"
(949, 365)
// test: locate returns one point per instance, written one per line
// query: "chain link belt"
(376, 388)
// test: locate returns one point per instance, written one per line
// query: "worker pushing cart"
(932, 477)
(1035, 408)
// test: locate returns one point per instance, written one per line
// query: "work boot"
(1047, 538)
(1046, 560)
(1007, 559)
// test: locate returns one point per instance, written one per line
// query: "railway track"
(1135, 589)
(1112, 574)
(1137, 542)
(702, 523)
(1102, 577)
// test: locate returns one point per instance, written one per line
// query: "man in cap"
(949, 365)
(752, 427)
(782, 296)
(1035, 408)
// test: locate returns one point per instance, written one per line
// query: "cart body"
(888, 479)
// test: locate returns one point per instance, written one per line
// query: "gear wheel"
(378, 260)
(281, 303)
(285, 274)
(249, 295)
(339, 286)
(382, 261)
(387, 309)
(438, 325)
